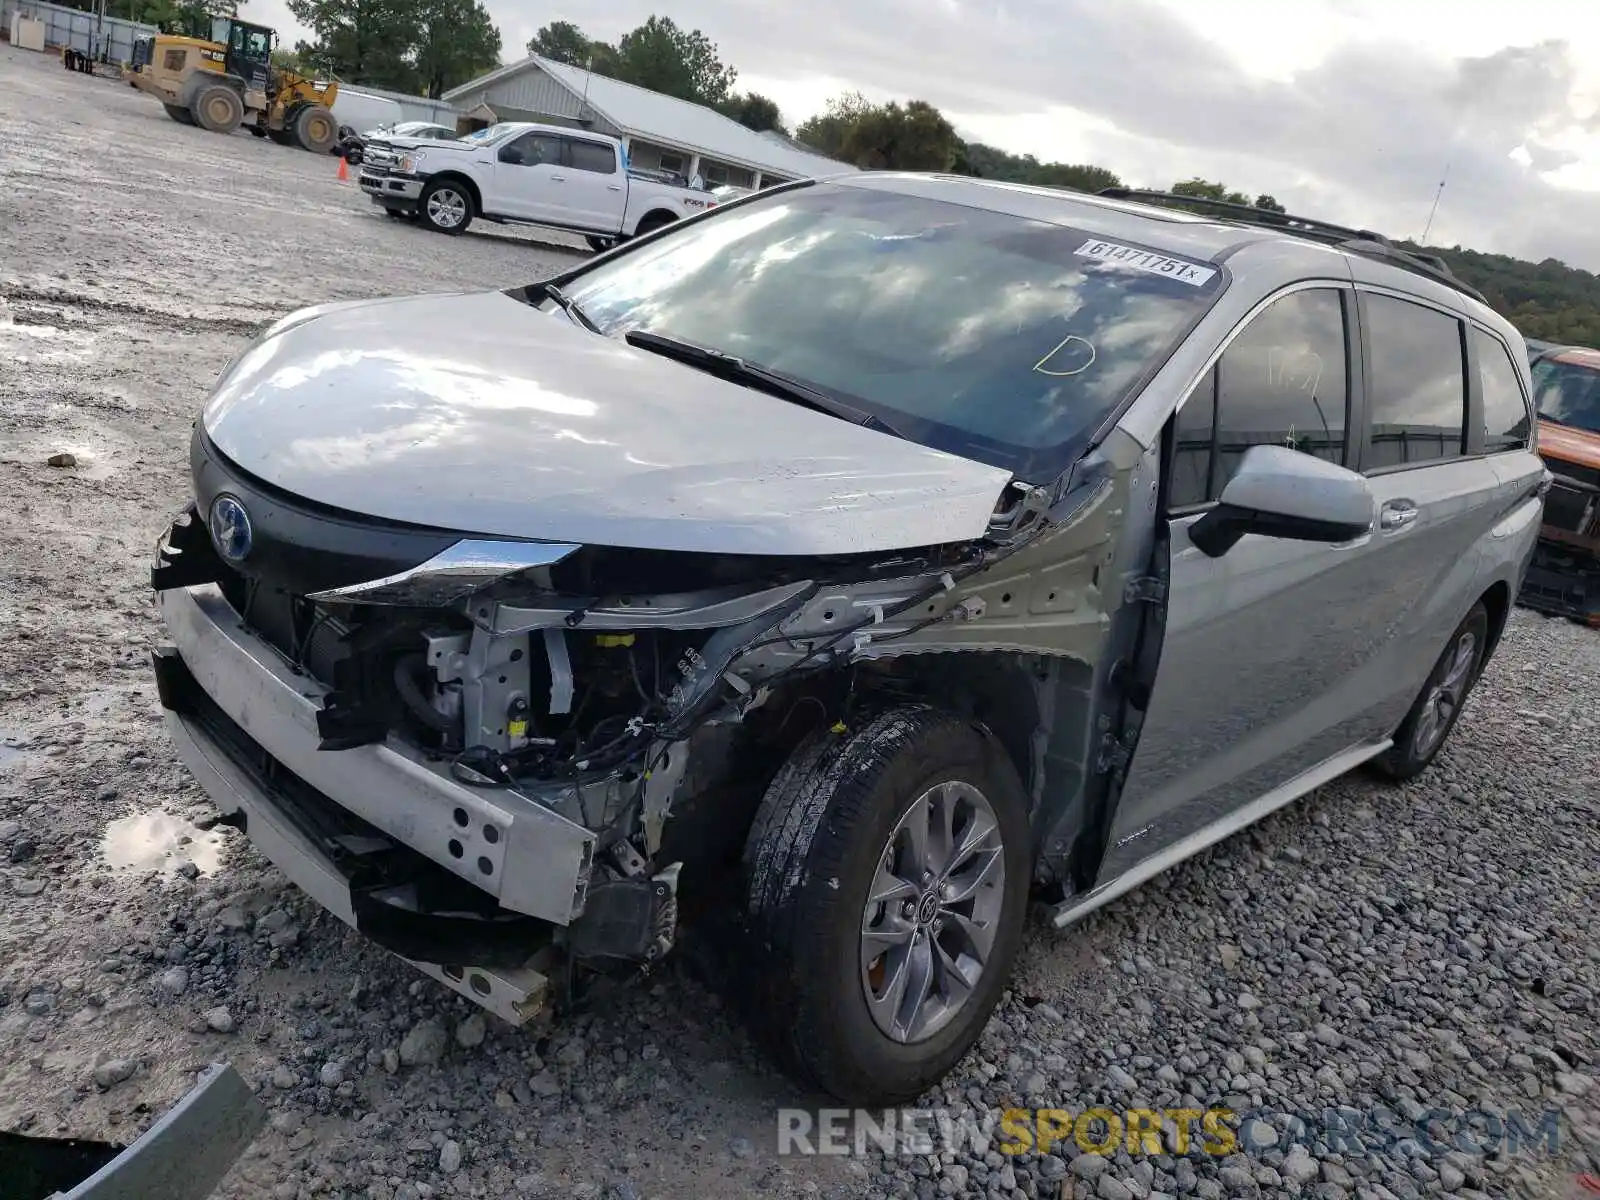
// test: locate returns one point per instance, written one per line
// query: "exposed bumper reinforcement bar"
(529, 858)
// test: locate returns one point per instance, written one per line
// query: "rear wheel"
(887, 877)
(218, 108)
(1432, 718)
(599, 244)
(654, 222)
(315, 129)
(446, 206)
(179, 113)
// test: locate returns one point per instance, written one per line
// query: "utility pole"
(1436, 197)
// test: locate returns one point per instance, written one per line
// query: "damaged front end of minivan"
(503, 759)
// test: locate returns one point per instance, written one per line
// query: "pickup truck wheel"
(886, 878)
(446, 206)
(1432, 718)
(654, 222)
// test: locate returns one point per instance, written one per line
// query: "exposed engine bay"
(646, 721)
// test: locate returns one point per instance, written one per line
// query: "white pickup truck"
(518, 171)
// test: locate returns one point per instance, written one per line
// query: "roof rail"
(1364, 242)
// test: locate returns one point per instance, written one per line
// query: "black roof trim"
(1364, 242)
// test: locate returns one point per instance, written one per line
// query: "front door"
(527, 179)
(1270, 652)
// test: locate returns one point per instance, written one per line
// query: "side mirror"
(1278, 492)
(512, 155)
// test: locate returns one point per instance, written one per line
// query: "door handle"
(613, 187)
(1397, 514)
(558, 179)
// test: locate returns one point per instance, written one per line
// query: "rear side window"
(1505, 411)
(592, 156)
(1417, 393)
(1282, 382)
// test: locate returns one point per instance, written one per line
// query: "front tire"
(886, 880)
(218, 108)
(179, 113)
(1433, 716)
(446, 206)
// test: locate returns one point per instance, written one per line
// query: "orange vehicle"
(1565, 575)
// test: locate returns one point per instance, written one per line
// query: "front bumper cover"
(245, 724)
(391, 189)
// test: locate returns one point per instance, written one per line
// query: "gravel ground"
(1428, 947)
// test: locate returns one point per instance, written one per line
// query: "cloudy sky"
(1346, 109)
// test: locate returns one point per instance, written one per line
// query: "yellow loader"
(219, 75)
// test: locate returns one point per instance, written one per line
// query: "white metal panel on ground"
(26, 33)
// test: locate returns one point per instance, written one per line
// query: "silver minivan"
(837, 572)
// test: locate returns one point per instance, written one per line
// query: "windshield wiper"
(736, 370)
(570, 307)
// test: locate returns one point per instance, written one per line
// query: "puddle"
(155, 841)
(10, 753)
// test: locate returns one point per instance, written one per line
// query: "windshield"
(489, 133)
(1567, 393)
(995, 337)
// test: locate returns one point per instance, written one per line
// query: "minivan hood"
(479, 413)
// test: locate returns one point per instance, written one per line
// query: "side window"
(539, 148)
(1282, 382)
(1194, 431)
(592, 156)
(1417, 393)
(1505, 411)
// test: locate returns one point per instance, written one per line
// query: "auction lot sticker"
(1145, 260)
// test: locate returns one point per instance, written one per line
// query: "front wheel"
(886, 881)
(446, 206)
(1434, 714)
(179, 113)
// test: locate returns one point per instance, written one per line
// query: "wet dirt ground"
(137, 256)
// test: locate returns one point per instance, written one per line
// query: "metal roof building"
(660, 132)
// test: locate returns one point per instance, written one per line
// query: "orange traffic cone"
(344, 170)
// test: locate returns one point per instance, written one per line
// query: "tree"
(562, 42)
(408, 45)
(1079, 177)
(827, 130)
(915, 137)
(664, 58)
(456, 40)
(1205, 190)
(360, 41)
(753, 111)
(1268, 203)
